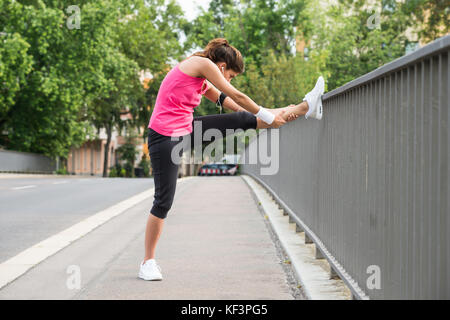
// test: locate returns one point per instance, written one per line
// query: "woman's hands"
(278, 121)
(292, 116)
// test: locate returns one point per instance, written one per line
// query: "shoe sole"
(317, 114)
(319, 111)
(149, 279)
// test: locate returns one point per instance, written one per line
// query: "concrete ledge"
(312, 274)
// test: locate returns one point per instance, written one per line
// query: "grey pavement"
(215, 245)
(32, 208)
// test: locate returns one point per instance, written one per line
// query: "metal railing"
(369, 183)
(14, 161)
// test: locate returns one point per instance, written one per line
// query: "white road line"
(62, 182)
(13, 268)
(25, 187)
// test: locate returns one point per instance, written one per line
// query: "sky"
(190, 7)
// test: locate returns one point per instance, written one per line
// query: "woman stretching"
(205, 73)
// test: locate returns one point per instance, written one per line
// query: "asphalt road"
(215, 245)
(33, 209)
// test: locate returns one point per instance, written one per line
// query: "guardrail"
(14, 161)
(369, 183)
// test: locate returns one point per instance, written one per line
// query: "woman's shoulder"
(193, 65)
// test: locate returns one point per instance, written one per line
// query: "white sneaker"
(314, 100)
(150, 271)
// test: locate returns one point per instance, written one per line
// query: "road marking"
(18, 265)
(62, 182)
(22, 188)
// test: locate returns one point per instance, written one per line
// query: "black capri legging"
(165, 171)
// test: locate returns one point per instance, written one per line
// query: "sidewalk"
(215, 245)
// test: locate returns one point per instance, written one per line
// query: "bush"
(127, 153)
(62, 171)
(129, 170)
(118, 168)
(145, 165)
(112, 172)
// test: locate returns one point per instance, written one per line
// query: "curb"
(312, 274)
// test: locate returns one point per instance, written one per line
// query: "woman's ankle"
(301, 109)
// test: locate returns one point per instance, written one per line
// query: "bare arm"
(210, 71)
(213, 95)
(205, 68)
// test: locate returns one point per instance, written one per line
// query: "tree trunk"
(108, 143)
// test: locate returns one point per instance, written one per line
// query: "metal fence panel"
(370, 180)
(13, 161)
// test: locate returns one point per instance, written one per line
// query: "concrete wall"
(13, 161)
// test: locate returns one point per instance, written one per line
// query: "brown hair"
(219, 50)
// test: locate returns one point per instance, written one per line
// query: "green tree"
(57, 81)
(265, 31)
(150, 35)
(252, 26)
(432, 17)
(355, 45)
(116, 98)
(128, 153)
(15, 65)
(48, 111)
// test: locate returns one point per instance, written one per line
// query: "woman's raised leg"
(289, 113)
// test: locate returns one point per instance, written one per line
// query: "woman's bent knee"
(247, 120)
(159, 212)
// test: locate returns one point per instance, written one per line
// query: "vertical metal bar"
(391, 144)
(385, 173)
(373, 192)
(357, 242)
(428, 183)
(340, 197)
(364, 232)
(423, 229)
(444, 176)
(440, 179)
(370, 193)
(380, 241)
(419, 181)
(447, 225)
(410, 183)
(416, 180)
(344, 211)
(396, 150)
(404, 183)
(434, 190)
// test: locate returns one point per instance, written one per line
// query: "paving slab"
(215, 245)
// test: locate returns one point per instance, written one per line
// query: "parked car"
(218, 169)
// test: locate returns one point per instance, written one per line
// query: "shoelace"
(159, 268)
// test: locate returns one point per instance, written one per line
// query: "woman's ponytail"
(219, 50)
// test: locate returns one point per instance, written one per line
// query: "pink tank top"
(177, 97)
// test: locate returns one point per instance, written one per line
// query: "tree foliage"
(58, 83)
